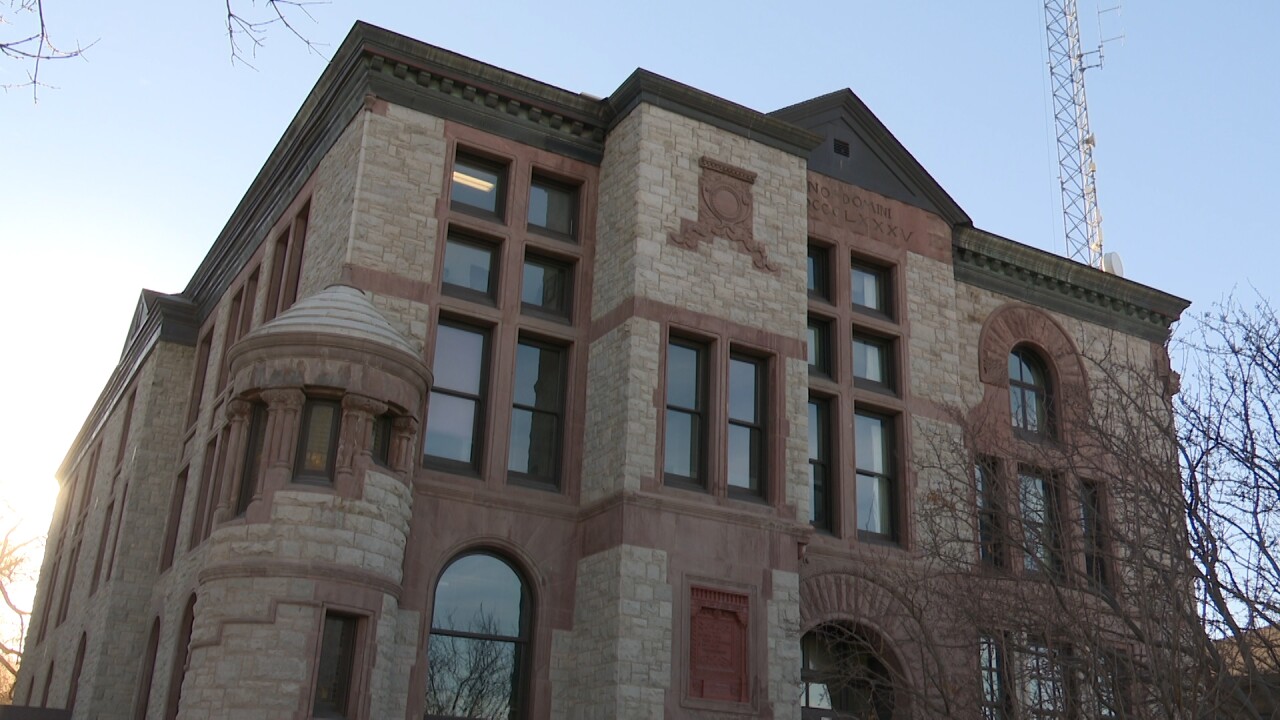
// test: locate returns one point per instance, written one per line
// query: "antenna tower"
(1082, 222)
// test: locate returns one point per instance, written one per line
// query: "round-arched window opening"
(1029, 393)
(844, 676)
(476, 655)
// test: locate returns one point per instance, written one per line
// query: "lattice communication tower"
(1082, 221)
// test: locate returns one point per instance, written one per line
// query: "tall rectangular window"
(873, 446)
(206, 493)
(455, 410)
(335, 667)
(746, 425)
(318, 441)
(536, 412)
(553, 207)
(286, 266)
(819, 273)
(68, 584)
(255, 435)
(995, 678)
(479, 186)
(1038, 503)
(197, 379)
(870, 289)
(872, 362)
(175, 517)
(820, 463)
(685, 454)
(124, 429)
(991, 531)
(1093, 531)
(818, 345)
(1041, 687)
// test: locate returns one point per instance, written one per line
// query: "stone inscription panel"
(718, 645)
(844, 207)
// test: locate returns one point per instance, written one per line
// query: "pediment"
(858, 149)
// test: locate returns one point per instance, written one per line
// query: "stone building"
(497, 400)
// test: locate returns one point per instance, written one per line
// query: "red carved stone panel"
(725, 209)
(718, 645)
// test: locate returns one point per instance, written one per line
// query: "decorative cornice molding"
(1062, 285)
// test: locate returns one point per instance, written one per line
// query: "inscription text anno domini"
(856, 212)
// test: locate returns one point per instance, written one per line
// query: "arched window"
(1030, 396)
(477, 653)
(843, 672)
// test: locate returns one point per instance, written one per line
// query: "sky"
(123, 173)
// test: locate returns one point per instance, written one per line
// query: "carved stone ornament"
(718, 645)
(725, 209)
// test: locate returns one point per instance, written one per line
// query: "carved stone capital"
(284, 398)
(361, 403)
(238, 409)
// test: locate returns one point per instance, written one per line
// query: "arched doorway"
(845, 675)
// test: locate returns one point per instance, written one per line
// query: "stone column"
(284, 413)
(237, 412)
(403, 455)
(354, 438)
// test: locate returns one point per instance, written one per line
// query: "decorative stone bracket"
(725, 209)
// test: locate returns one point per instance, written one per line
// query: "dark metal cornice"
(1063, 285)
(647, 87)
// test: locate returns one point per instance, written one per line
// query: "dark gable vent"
(841, 147)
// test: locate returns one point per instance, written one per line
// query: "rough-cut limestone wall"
(258, 634)
(332, 198)
(784, 649)
(620, 446)
(616, 662)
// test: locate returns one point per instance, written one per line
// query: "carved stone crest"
(725, 209)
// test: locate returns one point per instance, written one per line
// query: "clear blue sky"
(122, 176)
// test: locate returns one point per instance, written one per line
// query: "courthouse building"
(496, 400)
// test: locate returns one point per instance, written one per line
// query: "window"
(995, 679)
(818, 344)
(872, 362)
(255, 435)
(842, 672)
(536, 412)
(746, 425)
(873, 445)
(553, 207)
(181, 653)
(239, 323)
(1093, 530)
(819, 285)
(991, 530)
(1041, 688)
(455, 411)
(686, 419)
(820, 463)
(380, 447)
(479, 186)
(175, 517)
(1038, 503)
(198, 377)
(142, 702)
(469, 268)
(124, 429)
(869, 289)
(476, 653)
(318, 441)
(334, 670)
(286, 265)
(1029, 396)
(546, 287)
(76, 667)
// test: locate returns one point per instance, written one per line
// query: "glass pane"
(1016, 408)
(451, 428)
(468, 266)
(318, 437)
(744, 457)
(333, 672)
(459, 359)
(1032, 498)
(817, 346)
(817, 272)
(743, 390)
(874, 515)
(534, 443)
(683, 376)
(867, 288)
(871, 443)
(538, 376)
(476, 184)
(817, 429)
(545, 286)
(818, 495)
(870, 360)
(479, 594)
(681, 445)
(552, 206)
(470, 678)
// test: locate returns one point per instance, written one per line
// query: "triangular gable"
(858, 149)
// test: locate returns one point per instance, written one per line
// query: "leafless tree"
(26, 36)
(14, 569)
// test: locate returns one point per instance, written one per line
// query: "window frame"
(757, 426)
(889, 423)
(455, 238)
(1049, 533)
(482, 161)
(324, 477)
(1043, 394)
(538, 178)
(818, 272)
(551, 480)
(349, 662)
(888, 359)
(535, 256)
(699, 412)
(822, 496)
(885, 310)
(1095, 536)
(992, 514)
(475, 466)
